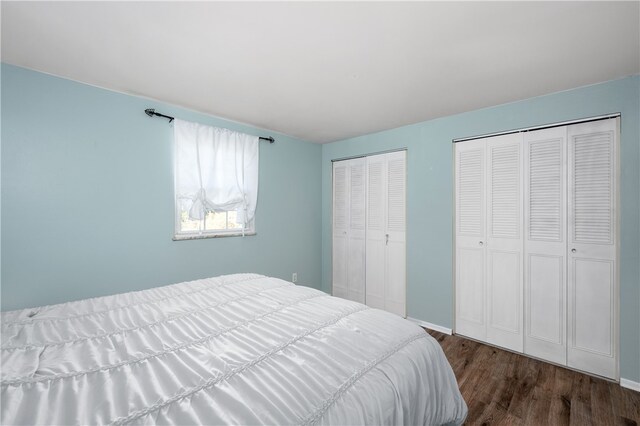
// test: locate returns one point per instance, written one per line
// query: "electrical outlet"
(294, 277)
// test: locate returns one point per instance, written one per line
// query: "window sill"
(185, 237)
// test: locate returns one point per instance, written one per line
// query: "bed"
(235, 349)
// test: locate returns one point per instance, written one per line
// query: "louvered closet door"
(386, 233)
(349, 229)
(545, 248)
(356, 235)
(340, 228)
(470, 238)
(504, 241)
(592, 272)
(376, 239)
(395, 280)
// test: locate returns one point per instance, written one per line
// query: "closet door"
(356, 241)
(504, 241)
(386, 233)
(340, 228)
(376, 233)
(592, 272)
(349, 229)
(395, 279)
(545, 249)
(470, 239)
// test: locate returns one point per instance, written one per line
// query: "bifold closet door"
(396, 234)
(349, 229)
(504, 241)
(489, 240)
(545, 248)
(536, 265)
(470, 237)
(386, 233)
(592, 272)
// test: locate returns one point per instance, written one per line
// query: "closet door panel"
(470, 292)
(504, 320)
(340, 229)
(470, 239)
(348, 255)
(545, 244)
(375, 278)
(340, 287)
(470, 193)
(395, 293)
(592, 248)
(356, 242)
(593, 295)
(504, 241)
(356, 269)
(545, 313)
(375, 237)
(386, 235)
(395, 289)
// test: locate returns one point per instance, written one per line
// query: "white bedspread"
(237, 349)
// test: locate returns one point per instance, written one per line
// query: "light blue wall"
(430, 199)
(87, 198)
(87, 201)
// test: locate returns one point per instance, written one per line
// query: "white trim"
(215, 234)
(431, 326)
(630, 384)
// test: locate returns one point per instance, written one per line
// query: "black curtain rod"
(151, 112)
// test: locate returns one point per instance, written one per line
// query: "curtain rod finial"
(150, 112)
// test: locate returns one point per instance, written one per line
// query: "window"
(216, 181)
(217, 223)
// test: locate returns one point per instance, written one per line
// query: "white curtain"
(216, 170)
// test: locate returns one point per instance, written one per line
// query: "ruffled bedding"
(237, 349)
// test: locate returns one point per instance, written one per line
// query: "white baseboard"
(630, 384)
(430, 326)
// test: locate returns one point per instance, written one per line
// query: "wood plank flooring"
(504, 388)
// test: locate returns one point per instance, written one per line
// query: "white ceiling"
(327, 71)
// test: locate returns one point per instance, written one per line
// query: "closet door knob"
(573, 250)
(481, 243)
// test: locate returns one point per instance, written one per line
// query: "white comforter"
(237, 349)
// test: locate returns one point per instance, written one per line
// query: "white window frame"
(180, 235)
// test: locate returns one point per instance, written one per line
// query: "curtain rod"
(151, 112)
(544, 126)
(369, 154)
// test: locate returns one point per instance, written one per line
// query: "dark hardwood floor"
(502, 387)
